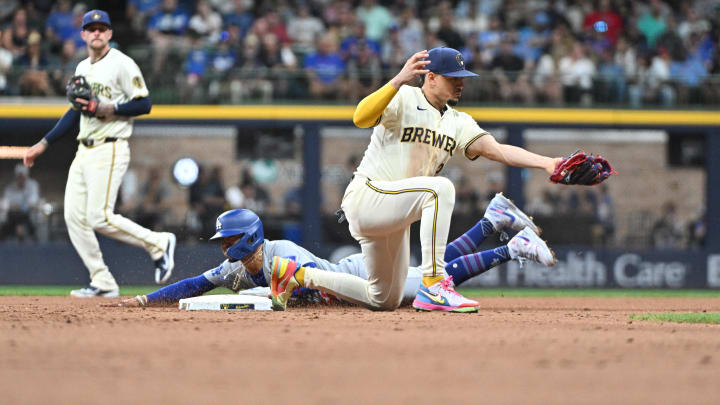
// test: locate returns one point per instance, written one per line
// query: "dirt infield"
(515, 351)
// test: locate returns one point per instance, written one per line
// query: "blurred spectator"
(326, 70)
(668, 231)
(277, 58)
(652, 23)
(447, 33)
(166, 29)
(364, 71)
(221, 64)
(251, 83)
(304, 29)
(411, 35)
(689, 75)
(206, 22)
(139, 11)
(489, 40)
(611, 86)
(626, 57)
(377, 19)
(207, 200)
(469, 21)
(59, 23)
(63, 66)
(20, 198)
(15, 36)
(546, 81)
(670, 41)
(241, 16)
(276, 26)
(350, 46)
(195, 69)
(604, 20)
(225, 7)
(34, 80)
(154, 205)
(692, 24)
(255, 198)
(467, 199)
(512, 78)
(7, 8)
(532, 38)
(577, 72)
(652, 82)
(248, 194)
(392, 54)
(6, 59)
(543, 204)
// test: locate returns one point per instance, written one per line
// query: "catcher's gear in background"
(583, 169)
(79, 88)
(236, 222)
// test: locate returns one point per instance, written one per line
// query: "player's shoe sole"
(282, 282)
(442, 297)
(502, 210)
(424, 307)
(92, 292)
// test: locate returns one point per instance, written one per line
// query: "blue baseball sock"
(468, 242)
(469, 266)
(190, 287)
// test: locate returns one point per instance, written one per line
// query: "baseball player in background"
(116, 94)
(250, 257)
(416, 132)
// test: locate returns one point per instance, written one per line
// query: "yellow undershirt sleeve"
(370, 109)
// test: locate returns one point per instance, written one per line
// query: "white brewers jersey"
(413, 139)
(115, 79)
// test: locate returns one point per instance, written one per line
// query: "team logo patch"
(218, 225)
(459, 59)
(96, 16)
(137, 82)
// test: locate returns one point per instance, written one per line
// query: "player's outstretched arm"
(486, 146)
(63, 126)
(370, 109)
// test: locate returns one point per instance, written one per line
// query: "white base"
(241, 302)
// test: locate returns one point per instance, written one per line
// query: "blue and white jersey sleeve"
(231, 275)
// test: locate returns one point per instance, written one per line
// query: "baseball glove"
(583, 169)
(79, 88)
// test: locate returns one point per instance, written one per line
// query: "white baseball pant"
(92, 187)
(380, 214)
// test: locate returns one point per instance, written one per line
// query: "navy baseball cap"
(447, 62)
(96, 16)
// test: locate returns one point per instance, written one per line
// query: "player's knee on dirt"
(386, 302)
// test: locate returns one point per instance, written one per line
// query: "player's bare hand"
(552, 164)
(413, 67)
(125, 302)
(33, 152)
(104, 110)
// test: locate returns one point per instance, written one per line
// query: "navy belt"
(93, 142)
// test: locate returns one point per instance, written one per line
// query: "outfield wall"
(58, 264)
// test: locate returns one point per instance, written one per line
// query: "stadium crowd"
(537, 51)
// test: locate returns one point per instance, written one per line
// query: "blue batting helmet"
(237, 222)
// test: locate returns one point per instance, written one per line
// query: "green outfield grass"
(679, 317)
(471, 292)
